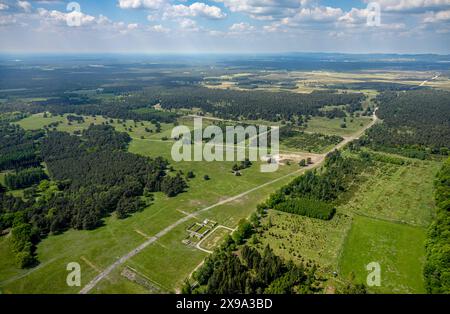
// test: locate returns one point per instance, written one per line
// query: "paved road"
(432, 79)
(126, 257)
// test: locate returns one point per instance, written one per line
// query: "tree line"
(437, 265)
(252, 105)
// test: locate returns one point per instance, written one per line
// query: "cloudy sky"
(184, 26)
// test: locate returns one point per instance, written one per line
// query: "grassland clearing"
(398, 248)
(327, 126)
(301, 238)
(398, 193)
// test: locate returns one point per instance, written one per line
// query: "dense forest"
(313, 193)
(437, 266)
(253, 105)
(24, 178)
(18, 147)
(247, 271)
(83, 189)
(415, 123)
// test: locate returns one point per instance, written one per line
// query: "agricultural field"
(316, 240)
(309, 81)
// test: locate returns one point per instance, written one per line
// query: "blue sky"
(186, 26)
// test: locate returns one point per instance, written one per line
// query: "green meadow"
(327, 126)
(399, 249)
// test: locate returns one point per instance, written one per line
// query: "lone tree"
(302, 163)
(206, 177)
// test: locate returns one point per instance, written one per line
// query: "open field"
(302, 238)
(333, 126)
(382, 217)
(399, 193)
(303, 142)
(398, 248)
(136, 130)
(391, 210)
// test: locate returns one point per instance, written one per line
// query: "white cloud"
(194, 10)
(6, 20)
(241, 27)
(24, 5)
(100, 23)
(411, 5)
(266, 9)
(314, 17)
(132, 26)
(141, 4)
(3, 6)
(432, 17)
(319, 14)
(189, 25)
(159, 29)
(61, 18)
(355, 16)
